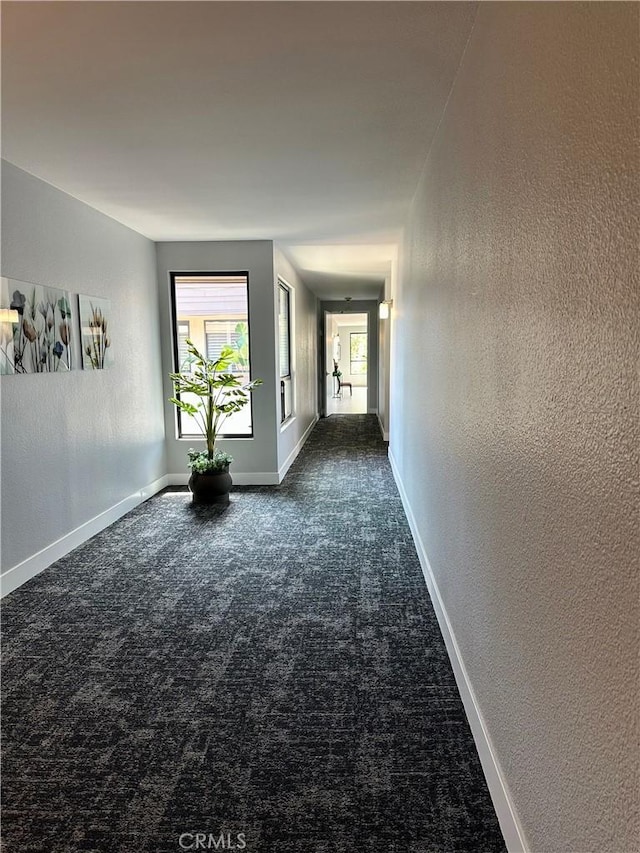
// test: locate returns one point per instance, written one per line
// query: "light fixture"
(384, 308)
(9, 315)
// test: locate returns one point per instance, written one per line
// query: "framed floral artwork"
(95, 332)
(36, 328)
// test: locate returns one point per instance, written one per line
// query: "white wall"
(255, 459)
(292, 434)
(76, 444)
(514, 424)
(345, 362)
(385, 328)
(331, 330)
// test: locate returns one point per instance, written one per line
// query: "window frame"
(287, 290)
(286, 379)
(179, 323)
(173, 275)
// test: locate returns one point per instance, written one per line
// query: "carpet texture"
(267, 677)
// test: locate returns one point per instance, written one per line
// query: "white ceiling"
(303, 122)
(348, 319)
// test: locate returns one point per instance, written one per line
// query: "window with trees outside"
(358, 353)
(212, 310)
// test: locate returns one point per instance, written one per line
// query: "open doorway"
(346, 362)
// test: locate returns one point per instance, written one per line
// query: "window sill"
(284, 426)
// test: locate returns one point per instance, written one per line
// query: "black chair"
(342, 385)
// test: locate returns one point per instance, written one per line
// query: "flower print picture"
(95, 330)
(36, 328)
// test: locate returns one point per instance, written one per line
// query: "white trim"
(372, 411)
(296, 450)
(24, 571)
(284, 426)
(505, 810)
(259, 478)
(385, 432)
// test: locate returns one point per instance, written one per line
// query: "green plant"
(200, 463)
(220, 394)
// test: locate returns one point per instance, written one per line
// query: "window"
(212, 310)
(358, 353)
(284, 350)
(219, 334)
(284, 331)
(183, 355)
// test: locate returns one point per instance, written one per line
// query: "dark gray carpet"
(270, 675)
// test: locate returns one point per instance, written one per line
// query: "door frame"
(355, 306)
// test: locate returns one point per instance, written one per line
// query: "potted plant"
(219, 393)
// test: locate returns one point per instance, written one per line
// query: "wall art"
(36, 328)
(95, 332)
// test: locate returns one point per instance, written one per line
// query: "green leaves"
(63, 306)
(242, 344)
(184, 407)
(220, 392)
(200, 462)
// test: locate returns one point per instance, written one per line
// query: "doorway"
(346, 362)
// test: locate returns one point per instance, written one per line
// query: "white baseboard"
(505, 810)
(24, 571)
(256, 478)
(296, 450)
(385, 432)
(259, 478)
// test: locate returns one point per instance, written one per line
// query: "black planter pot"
(212, 487)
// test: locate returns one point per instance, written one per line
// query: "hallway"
(466, 175)
(273, 672)
(348, 404)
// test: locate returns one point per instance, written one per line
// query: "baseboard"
(259, 478)
(32, 566)
(256, 478)
(384, 432)
(505, 810)
(296, 450)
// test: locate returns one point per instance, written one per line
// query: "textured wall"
(74, 445)
(515, 403)
(305, 358)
